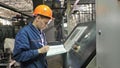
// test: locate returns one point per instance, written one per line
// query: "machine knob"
(99, 32)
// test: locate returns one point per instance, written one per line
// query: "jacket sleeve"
(22, 51)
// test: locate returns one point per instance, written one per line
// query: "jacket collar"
(34, 28)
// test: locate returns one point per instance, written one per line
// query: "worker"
(30, 42)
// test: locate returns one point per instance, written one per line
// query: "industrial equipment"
(78, 49)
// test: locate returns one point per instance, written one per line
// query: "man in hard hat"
(30, 43)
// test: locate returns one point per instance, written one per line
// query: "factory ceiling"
(25, 7)
(11, 8)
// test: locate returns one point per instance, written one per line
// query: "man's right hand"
(44, 49)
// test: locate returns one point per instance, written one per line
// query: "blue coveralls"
(27, 41)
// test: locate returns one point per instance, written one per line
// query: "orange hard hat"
(43, 10)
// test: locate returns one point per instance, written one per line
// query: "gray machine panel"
(82, 47)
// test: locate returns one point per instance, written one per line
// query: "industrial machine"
(78, 49)
(83, 47)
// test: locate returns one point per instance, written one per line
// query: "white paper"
(56, 49)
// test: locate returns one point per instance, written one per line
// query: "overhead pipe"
(75, 4)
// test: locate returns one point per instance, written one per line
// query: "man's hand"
(43, 49)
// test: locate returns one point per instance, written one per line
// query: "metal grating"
(83, 1)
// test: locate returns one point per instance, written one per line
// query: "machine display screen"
(75, 35)
(82, 44)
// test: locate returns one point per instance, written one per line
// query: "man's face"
(42, 23)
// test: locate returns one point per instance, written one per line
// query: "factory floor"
(92, 64)
(55, 61)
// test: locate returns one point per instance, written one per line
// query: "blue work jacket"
(27, 42)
